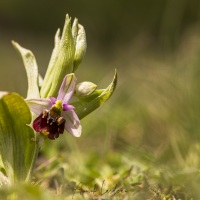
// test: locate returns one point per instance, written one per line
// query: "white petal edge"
(72, 124)
(38, 105)
(67, 88)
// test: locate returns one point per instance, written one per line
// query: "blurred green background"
(149, 131)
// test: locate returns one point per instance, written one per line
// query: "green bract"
(31, 70)
(88, 103)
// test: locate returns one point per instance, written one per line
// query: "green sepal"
(17, 140)
(89, 103)
(31, 70)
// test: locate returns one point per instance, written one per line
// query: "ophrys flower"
(56, 114)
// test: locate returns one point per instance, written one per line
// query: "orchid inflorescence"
(48, 109)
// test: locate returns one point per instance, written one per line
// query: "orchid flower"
(55, 114)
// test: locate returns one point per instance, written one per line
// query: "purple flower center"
(49, 125)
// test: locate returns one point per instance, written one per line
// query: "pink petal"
(67, 88)
(67, 107)
(72, 124)
(38, 105)
(53, 100)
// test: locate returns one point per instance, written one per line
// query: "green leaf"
(17, 140)
(87, 104)
(31, 70)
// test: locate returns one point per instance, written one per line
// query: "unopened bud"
(85, 88)
(79, 35)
